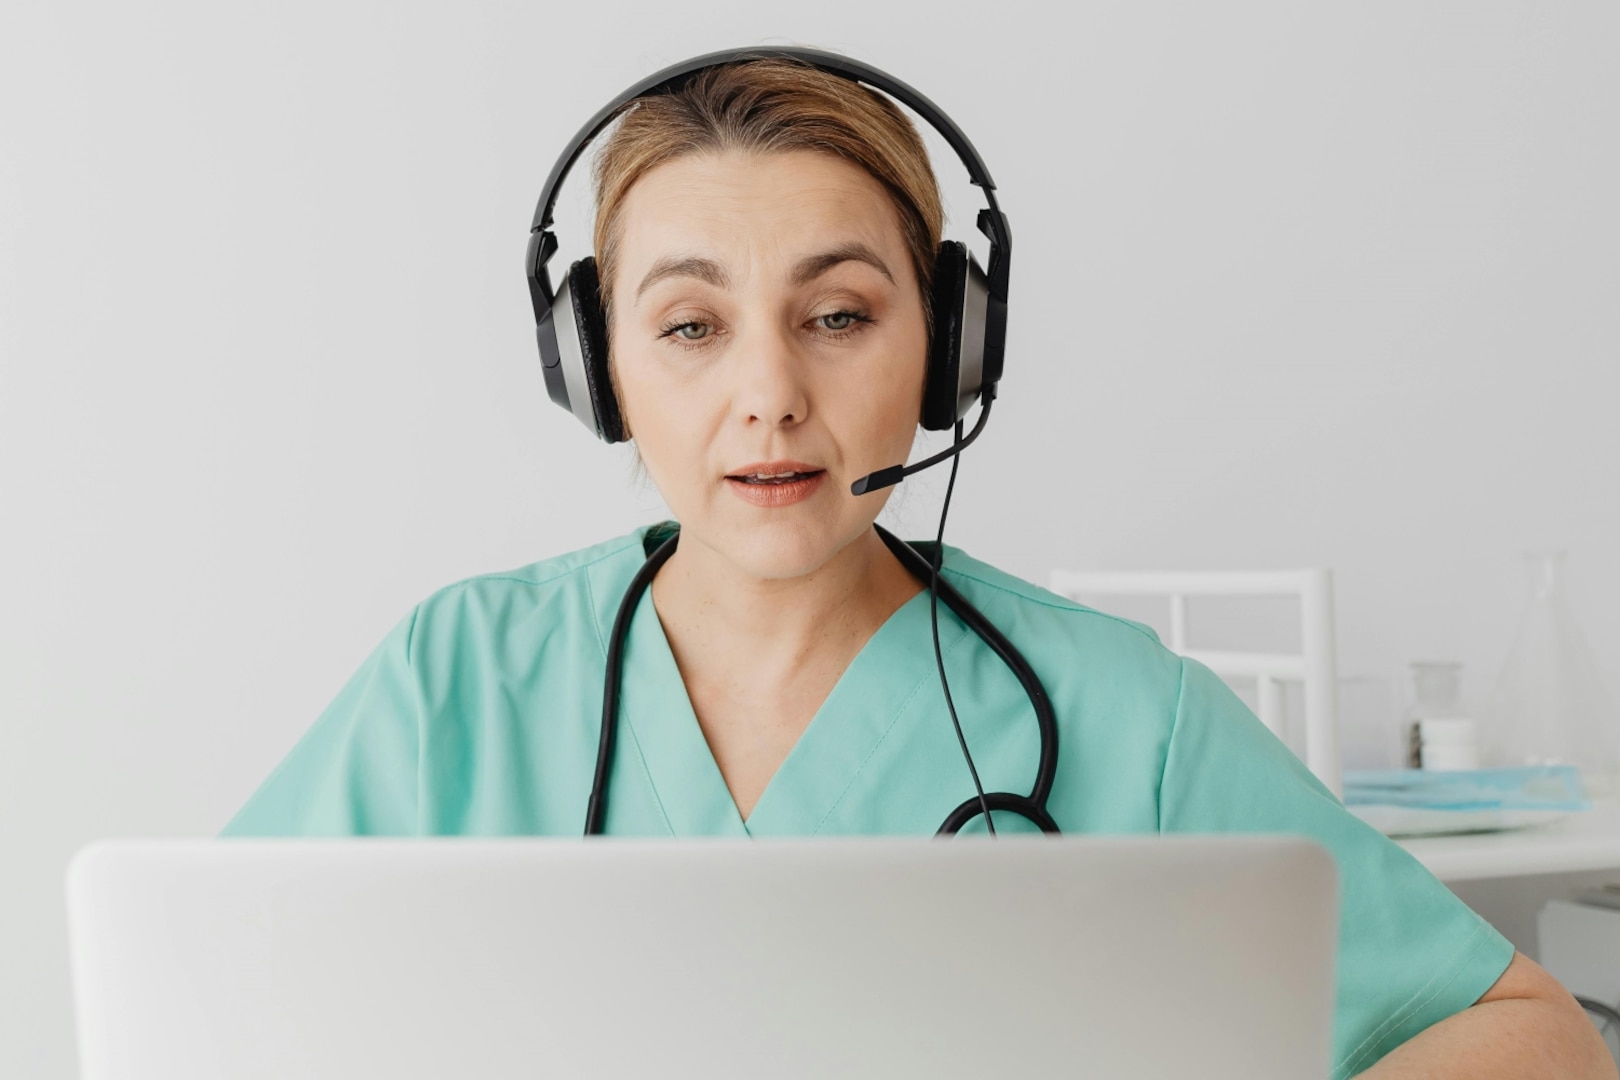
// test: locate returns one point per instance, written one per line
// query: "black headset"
(966, 341)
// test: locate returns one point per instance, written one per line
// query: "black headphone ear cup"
(584, 293)
(941, 391)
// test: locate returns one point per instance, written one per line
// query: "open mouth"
(776, 478)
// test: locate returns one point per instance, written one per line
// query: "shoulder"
(988, 587)
(570, 592)
(1080, 653)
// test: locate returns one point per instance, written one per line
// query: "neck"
(710, 607)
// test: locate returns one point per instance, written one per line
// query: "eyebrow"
(813, 266)
(808, 268)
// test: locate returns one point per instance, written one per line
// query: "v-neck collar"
(868, 698)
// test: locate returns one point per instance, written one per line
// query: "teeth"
(771, 478)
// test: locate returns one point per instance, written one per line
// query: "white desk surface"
(1586, 840)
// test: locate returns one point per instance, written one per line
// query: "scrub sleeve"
(1410, 952)
(354, 770)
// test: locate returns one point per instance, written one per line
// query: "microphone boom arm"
(895, 473)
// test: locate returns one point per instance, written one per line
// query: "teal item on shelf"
(1519, 787)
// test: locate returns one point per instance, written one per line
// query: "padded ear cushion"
(586, 297)
(941, 392)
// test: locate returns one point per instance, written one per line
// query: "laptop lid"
(869, 957)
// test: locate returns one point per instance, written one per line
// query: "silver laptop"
(215, 959)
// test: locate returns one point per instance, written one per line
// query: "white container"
(1440, 734)
(1448, 742)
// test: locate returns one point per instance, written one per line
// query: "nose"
(770, 387)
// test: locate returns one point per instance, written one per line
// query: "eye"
(680, 332)
(841, 323)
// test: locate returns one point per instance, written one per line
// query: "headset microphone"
(895, 473)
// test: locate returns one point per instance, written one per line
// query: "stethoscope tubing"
(1031, 807)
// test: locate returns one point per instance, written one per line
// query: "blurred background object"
(1439, 733)
(1550, 705)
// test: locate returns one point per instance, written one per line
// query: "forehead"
(748, 208)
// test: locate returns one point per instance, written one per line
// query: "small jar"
(1449, 742)
(1440, 734)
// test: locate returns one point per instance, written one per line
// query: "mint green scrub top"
(479, 715)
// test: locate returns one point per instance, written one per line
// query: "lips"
(773, 485)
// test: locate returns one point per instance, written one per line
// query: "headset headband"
(992, 222)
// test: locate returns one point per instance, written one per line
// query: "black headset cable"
(933, 614)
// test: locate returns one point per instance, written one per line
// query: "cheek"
(635, 379)
(660, 417)
(906, 382)
(881, 412)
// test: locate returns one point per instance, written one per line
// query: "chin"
(782, 549)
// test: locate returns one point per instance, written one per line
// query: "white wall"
(1294, 284)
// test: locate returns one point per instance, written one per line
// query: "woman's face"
(767, 320)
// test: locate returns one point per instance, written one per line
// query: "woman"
(766, 238)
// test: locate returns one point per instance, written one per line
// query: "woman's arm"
(1525, 1026)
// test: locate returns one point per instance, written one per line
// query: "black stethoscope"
(1031, 807)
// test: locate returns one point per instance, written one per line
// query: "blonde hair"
(769, 105)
